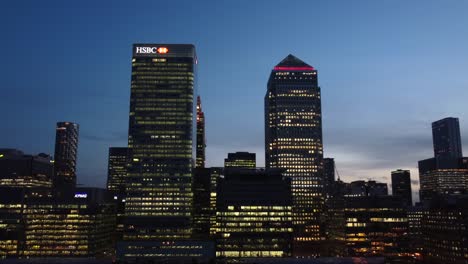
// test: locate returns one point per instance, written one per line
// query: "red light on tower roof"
(163, 50)
(292, 68)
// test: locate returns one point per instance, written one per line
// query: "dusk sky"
(387, 69)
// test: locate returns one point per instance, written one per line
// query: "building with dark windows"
(117, 169)
(447, 172)
(446, 138)
(293, 141)
(201, 140)
(204, 200)
(254, 214)
(365, 188)
(25, 171)
(328, 176)
(401, 185)
(66, 150)
(240, 160)
(158, 206)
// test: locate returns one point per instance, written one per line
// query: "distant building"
(25, 171)
(370, 226)
(254, 214)
(365, 188)
(201, 139)
(293, 141)
(117, 169)
(240, 160)
(446, 138)
(401, 185)
(66, 151)
(328, 176)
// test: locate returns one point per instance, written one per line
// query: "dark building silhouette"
(204, 201)
(66, 151)
(25, 171)
(446, 138)
(201, 139)
(254, 214)
(328, 176)
(241, 160)
(365, 188)
(117, 169)
(293, 141)
(401, 185)
(162, 143)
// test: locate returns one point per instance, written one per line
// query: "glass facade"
(293, 140)
(66, 147)
(161, 146)
(117, 169)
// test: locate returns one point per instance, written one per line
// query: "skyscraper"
(117, 169)
(66, 147)
(446, 138)
(401, 186)
(161, 148)
(201, 140)
(293, 141)
(240, 159)
(447, 172)
(328, 176)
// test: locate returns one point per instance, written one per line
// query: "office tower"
(371, 226)
(401, 186)
(446, 138)
(415, 215)
(161, 144)
(254, 214)
(447, 172)
(25, 171)
(78, 224)
(445, 230)
(66, 147)
(293, 141)
(204, 200)
(240, 160)
(328, 176)
(117, 169)
(201, 140)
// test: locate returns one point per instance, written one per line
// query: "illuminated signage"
(151, 50)
(81, 195)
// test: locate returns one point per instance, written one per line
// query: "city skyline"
(389, 131)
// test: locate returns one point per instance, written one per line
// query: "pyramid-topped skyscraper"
(293, 141)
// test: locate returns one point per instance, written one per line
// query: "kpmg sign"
(151, 50)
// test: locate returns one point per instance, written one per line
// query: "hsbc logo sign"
(151, 50)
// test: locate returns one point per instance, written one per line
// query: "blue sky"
(387, 69)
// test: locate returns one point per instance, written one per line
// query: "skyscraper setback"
(66, 147)
(293, 141)
(161, 147)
